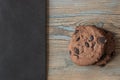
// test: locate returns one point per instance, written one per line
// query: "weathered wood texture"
(64, 15)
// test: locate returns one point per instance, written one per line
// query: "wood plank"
(72, 21)
(63, 8)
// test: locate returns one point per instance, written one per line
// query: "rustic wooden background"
(64, 15)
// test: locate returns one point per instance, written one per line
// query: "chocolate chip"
(76, 31)
(78, 39)
(103, 56)
(76, 50)
(91, 38)
(86, 44)
(102, 39)
(70, 52)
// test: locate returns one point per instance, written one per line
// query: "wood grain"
(64, 16)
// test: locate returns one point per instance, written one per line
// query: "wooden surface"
(64, 15)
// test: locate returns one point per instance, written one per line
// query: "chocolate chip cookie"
(88, 45)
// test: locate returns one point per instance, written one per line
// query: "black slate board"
(22, 40)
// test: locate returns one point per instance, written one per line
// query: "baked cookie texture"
(91, 46)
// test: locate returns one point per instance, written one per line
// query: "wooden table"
(64, 15)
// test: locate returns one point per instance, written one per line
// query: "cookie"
(87, 45)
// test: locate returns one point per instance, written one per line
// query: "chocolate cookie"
(88, 45)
